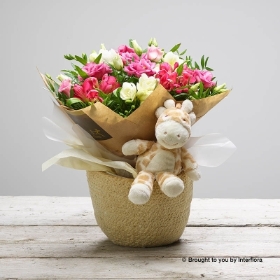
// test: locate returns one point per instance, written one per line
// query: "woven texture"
(160, 221)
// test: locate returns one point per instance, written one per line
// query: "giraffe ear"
(187, 106)
(169, 103)
(192, 118)
(159, 111)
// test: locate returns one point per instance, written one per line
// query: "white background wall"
(240, 37)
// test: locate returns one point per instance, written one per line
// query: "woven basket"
(160, 221)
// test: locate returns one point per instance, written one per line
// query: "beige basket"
(160, 221)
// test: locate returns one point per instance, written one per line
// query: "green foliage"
(123, 107)
(75, 103)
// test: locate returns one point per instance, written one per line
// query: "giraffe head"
(173, 127)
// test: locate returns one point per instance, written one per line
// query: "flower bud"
(93, 56)
(62, 77)
(195, 87)
(153, 42)
(136, 47)
(219, 88)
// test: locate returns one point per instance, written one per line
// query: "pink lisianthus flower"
(125, 49)
(96, 70)
(140, 67)
(108, 84)
(205, 77)
(65, 87)
(154, 54)
(128, 54)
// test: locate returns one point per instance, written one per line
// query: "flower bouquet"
(115, 109)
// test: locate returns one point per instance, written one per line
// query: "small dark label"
(84, 121)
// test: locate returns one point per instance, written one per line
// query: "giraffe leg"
(141, 188)
(170, 184)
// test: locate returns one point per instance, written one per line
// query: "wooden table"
(58, 238)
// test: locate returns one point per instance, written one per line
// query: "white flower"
(145, 86)
(112, 58)
(136, 47)
(172, 58)
(128, 91)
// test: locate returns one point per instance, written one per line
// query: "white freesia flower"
(172, 58)
(111, 57)
(128, 91)
(145, 86)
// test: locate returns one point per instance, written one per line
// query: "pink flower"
(125, 49)
(79, 92)
(129, 57)
(154, 53)
(187, 77)
(97, 70)
(139, 67)
(90, 84)
(108, 84)
(88, 90)
(65, 87)
(168, 77)
(128, 54)
(205, 77)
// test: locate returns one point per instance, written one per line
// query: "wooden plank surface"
(135, 268)
(79, 211)
(57, 238)
(90, 242)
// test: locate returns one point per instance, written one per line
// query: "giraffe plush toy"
(165, 159)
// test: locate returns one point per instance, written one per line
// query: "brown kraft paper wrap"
(112, 131)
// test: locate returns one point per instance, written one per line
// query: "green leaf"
(209, 69)
(72, 93)
(97, 60)
(84, 56)
(206, 61)
(179, 70)
(181, 96)
(80, 59)
(83, 74)
(196, 66)
(202, 62)
(182, 53)
(130, 43)
(75, 103)
(56, 87)
(200, 89)
(175, 48)
(206, 93)
(69, 56)
(50, 84)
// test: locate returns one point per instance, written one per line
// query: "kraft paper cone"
(204, 105)
(112, 131)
